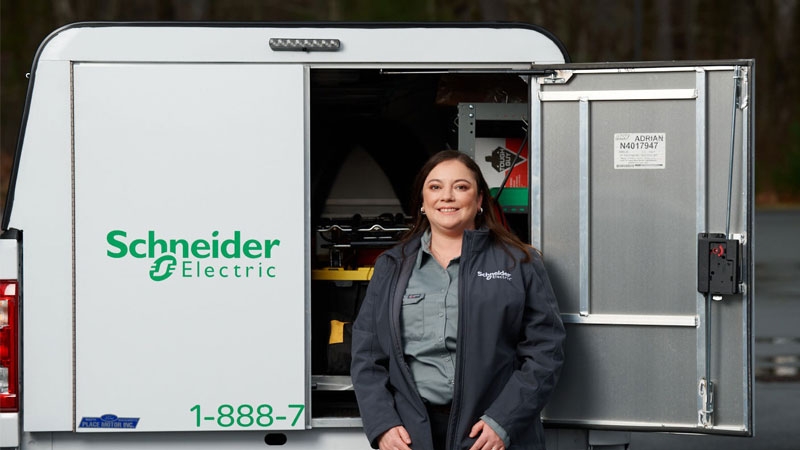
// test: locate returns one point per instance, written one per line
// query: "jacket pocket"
(413, 316)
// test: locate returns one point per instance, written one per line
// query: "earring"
(480, 211)
(422, 211)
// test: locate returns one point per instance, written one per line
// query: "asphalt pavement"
(777, 350)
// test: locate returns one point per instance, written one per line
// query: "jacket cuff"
(497, 429)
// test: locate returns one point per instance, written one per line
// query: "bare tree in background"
(191, 10)
(664, 42)
(63, 11)
(334, 11)
(493, 10)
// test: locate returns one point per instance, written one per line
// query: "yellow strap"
(337, 332)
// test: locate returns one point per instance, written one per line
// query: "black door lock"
(718, 264)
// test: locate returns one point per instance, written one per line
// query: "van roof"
(384, 43)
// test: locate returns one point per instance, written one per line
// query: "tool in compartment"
(357, 241)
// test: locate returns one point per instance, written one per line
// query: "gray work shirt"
(429, 321)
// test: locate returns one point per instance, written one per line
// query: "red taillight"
(9, 358)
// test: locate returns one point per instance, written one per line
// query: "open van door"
(642, 206)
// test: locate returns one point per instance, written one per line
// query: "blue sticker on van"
(109, 421)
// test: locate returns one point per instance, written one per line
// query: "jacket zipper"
(466, 250)
(394, 325)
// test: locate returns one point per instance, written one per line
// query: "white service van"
(194, 209)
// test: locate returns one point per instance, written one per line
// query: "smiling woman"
(458, 269)
(451, 202)
(451, 195)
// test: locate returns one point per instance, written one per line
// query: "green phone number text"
(246, 415)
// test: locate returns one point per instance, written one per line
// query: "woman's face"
(450, 198)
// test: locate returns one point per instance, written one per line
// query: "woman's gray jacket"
(509, 347)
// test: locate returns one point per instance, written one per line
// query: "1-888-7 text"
(246, 415)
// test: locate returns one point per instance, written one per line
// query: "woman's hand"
(396, 438)
(487, 438)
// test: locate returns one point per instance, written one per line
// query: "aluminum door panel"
(619, 236)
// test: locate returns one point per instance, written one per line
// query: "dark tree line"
(592, 30)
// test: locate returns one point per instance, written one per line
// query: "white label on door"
(640, 150)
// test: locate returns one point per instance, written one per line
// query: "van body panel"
(323, 438)
(44, 212)
(200, 173)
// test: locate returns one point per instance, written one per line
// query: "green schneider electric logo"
(199, 258)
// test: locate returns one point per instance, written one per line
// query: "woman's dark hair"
(488, 218)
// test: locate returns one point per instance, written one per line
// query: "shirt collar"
(424, 249)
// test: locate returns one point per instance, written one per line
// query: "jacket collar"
(474, 241)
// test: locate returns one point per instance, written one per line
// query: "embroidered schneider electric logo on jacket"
(218, 256)
(498, 275)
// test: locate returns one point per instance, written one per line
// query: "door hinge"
(555, 77)
(742, 95)
(705, 416)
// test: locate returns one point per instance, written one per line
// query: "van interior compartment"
(370, 132)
